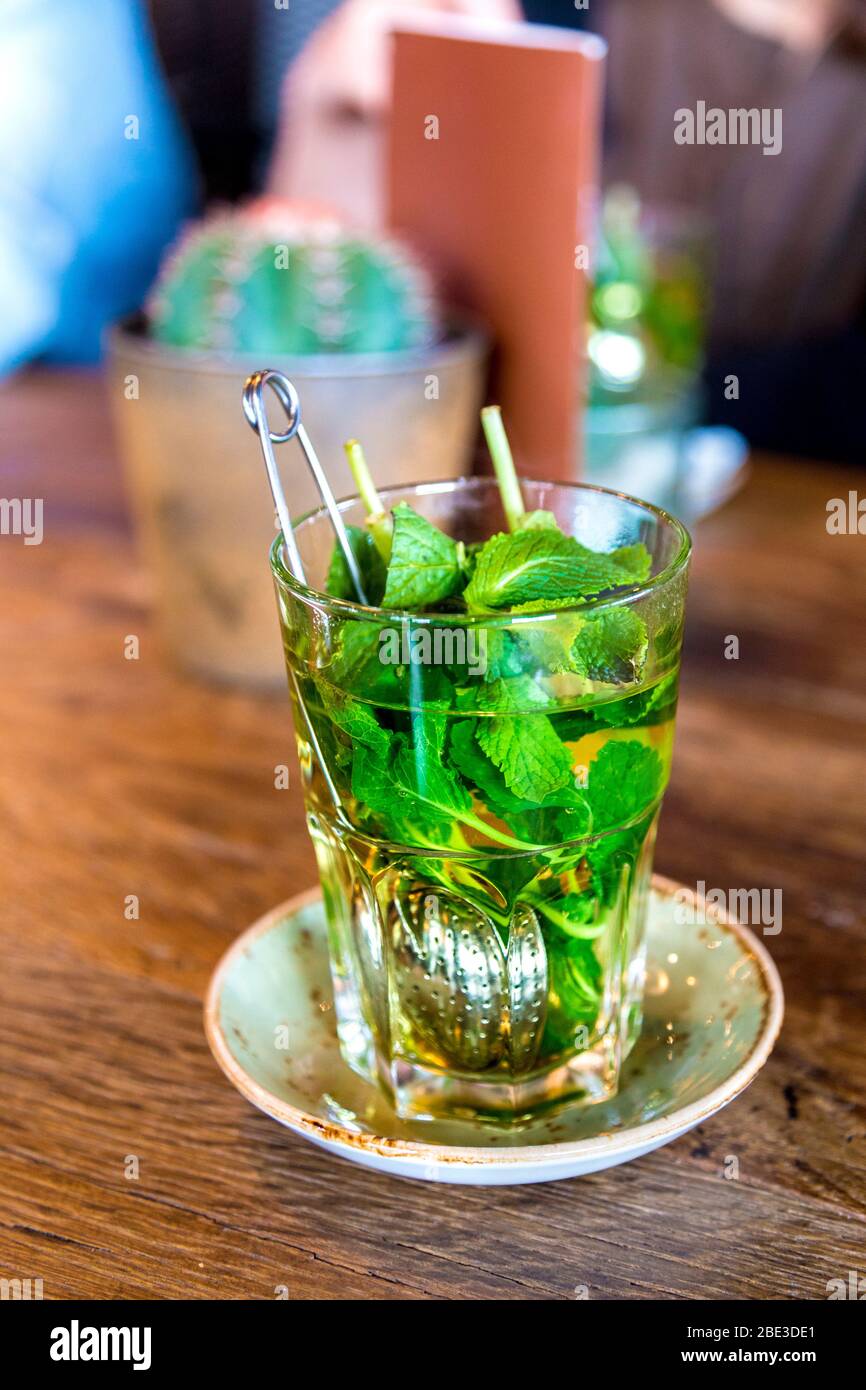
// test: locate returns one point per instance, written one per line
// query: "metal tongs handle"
(254, 410)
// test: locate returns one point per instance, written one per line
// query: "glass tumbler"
(484, 817)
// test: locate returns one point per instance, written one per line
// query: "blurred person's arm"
(806, 26)
(336, 95)
(345, 66)
(94, 175)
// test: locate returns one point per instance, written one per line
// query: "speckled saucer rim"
(642, 1137)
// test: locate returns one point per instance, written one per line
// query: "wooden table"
(120, 777)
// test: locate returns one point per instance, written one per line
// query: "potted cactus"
(354, 321)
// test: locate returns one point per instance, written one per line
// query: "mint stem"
(503, 465)
(469, 818)
(363, 478)
(377, 517)
(582, 933)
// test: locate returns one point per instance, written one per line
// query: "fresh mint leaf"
(520, 693)
(613, 855)
(625, 777)
(355, 647)
(574, 724)
(469, 556)
(355, 719)
(539, 564)
(651, 706)
(575, 984)
(506, 654)
(524, 746)
(476, 767)
(356, 665)
(361, 664)
(425, 564)
(611, 647)
(519, 812)
(415, 794)
(399, 813)
(634, 558)
(573, 821)
(551, 642)
(549, 605)
(370, 564)
(372, 782)
(420, 772)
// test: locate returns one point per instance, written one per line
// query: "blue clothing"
(95, 173)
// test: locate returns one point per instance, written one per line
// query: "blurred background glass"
(646, 344)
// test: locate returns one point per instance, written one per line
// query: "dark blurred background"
(225, 86)
(226, 61)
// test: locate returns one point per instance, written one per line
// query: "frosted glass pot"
(194, 472)
(486, 948)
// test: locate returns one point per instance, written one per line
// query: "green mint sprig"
(538, 566)
(492, 762)
(425, 565)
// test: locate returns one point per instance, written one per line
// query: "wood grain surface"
(122, 777)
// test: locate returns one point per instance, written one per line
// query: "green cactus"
(280, 281)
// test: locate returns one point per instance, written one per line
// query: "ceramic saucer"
(713, 1009)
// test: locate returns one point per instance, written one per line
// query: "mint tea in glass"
(484, 746)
